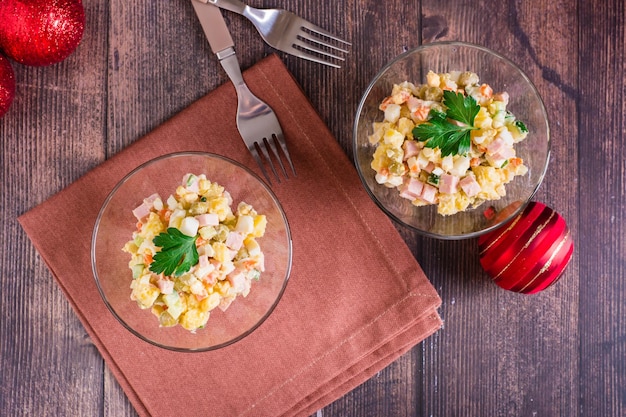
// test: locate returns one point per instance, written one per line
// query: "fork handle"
(230, 63)
(232, 5)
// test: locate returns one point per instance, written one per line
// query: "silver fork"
(258, 126)
(256, 121)
(290, 33)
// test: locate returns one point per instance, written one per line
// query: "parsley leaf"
(177, 255)
(450, 138)
(461, 108)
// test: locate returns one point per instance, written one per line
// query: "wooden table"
(561, 352)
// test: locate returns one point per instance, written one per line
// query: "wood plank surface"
(521, 343)
(602, 208)
(560, 352)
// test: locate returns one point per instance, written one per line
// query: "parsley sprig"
(440, 132)
(177, 255)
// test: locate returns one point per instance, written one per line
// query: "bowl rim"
(127, 177)
(355, 135)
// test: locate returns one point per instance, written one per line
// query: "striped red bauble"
(530, 252)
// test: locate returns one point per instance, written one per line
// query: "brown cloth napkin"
(356, 299)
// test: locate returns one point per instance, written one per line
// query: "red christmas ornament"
(7, 85)
(530, 252)
(40, 32)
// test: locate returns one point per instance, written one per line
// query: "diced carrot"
(165, 214)
(249, 264)
(490, 212)
(421, 113)
(486, 90)
(387, 101)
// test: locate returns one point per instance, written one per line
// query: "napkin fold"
(355, 302)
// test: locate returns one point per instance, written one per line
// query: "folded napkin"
(356, 299)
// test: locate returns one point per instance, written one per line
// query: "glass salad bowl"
(524, 103)
(117, 221)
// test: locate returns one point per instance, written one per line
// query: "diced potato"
(260, 224)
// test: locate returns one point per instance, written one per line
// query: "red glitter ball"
(530, 252)
(40, 32)
(7, 85)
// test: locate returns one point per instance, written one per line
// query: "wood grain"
(520, 343)
(602, 206)
(52, 135)
(560, 352)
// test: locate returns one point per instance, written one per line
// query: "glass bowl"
(525, 103)
(114, 227)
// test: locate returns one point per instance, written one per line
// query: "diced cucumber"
(166, 319)
(433, 179)
(174, 304)
(254, 274)
(137, 270)
(521, 126)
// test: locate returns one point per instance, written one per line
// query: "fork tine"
(266, 154)
(272, 144)
(257, 158)
(305, 47)
(316, 39)
(318, 30)
(300, 53)
(283, 145)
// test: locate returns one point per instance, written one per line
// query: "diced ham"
(419, 108)
(496, 146)
(411, 189)
(405, 194)
(411, 148)
(208, 219)
(225, 303)
(203, 261)
(142, 211)
(190, 182)
(429, 168)
(237, 280)
(448, 183)
(506, 136)
(429, 193)
(503, 97)
(151, 199)
(165, 285)
(401, 97)
(499, 150)
(504, 154)
(413, 103)
(234, 240)
(210, 279)
(469, 185)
